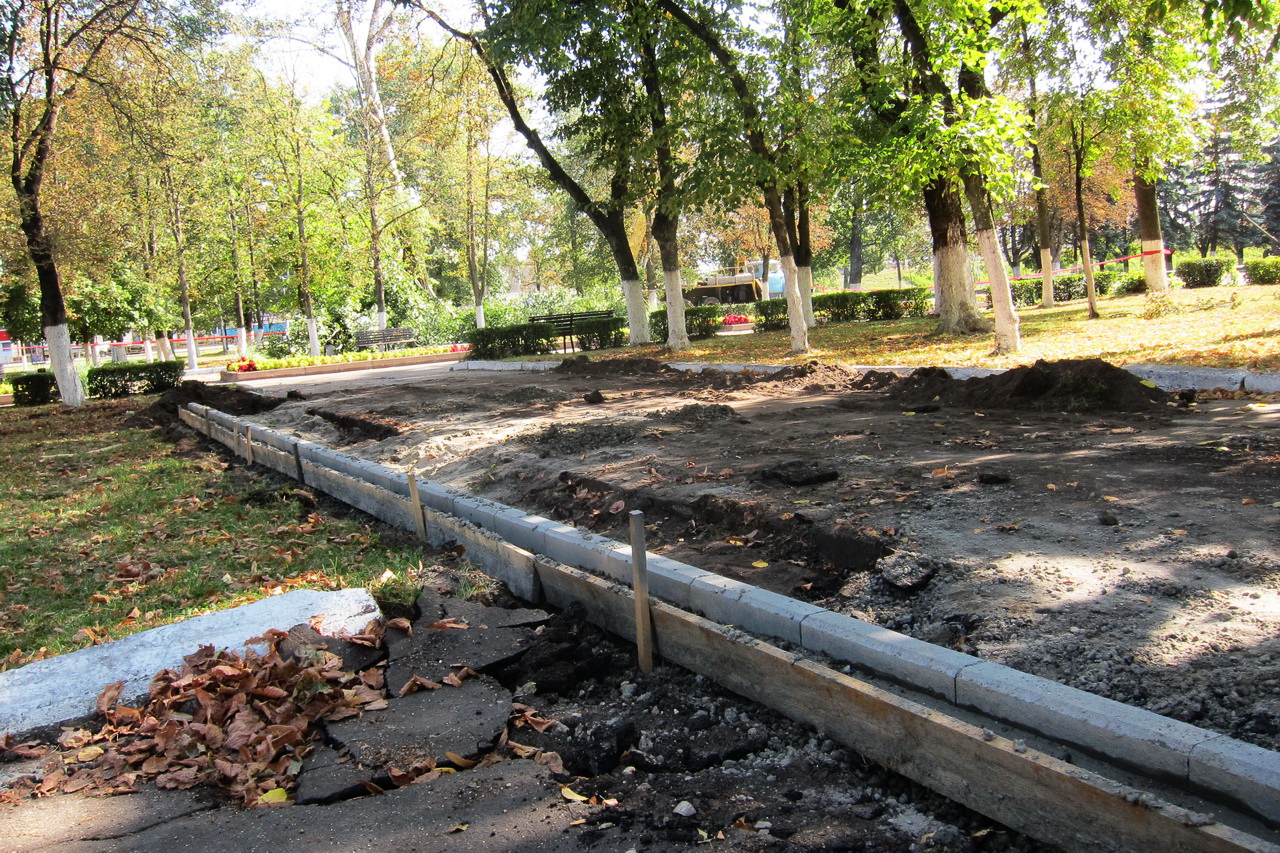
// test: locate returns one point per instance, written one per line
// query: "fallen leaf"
(1148, 383)
(99, 598)
(457, 827)
(1109, 498)
(1178, 532)
(572, 795)
(464, 763)
(448, 622)
(760, 564)
(108, 696)
(1051, 487)
(274, 796)
(90, 753)
(1249, 501)
(401, 624)
(416, 683)
(617, 507)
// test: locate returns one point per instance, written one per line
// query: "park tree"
(50, 50)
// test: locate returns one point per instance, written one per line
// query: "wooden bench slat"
(381, 337)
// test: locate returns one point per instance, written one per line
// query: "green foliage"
(1134, 282)
(34, 389)
(600, 334)
(493, 342)
(1207, 272)
(658, 329)
(1262, 271)
(20, 312)
(841, 306)
(702, 321)
(125, 379)
(885, 305)
(1066, 288)
(770, 314)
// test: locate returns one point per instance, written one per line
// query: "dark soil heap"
(1051, 386)
(225, 398)
(583, 366)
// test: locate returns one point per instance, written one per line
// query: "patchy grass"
(1212, 327)
(111, 530)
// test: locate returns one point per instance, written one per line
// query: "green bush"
(33, 389)
(917, 301)
(770, 314)
(885, 305)
(1134, 282)
(600, 334)
(658, 329)
(494, 342)
(702, 321)
(1262, 271)
(1207, 272)
(124, 379)
(841, 306)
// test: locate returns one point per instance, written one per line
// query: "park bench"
(566, 324)
(383, 338)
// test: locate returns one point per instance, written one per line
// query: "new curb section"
(537, 557)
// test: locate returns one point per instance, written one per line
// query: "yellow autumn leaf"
(275, 795)
(1148, 383)
(760, 564)
(1109, 498)
(572, 795)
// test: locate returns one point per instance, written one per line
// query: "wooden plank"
(1023, 789)
(415, 506)
(640, 589)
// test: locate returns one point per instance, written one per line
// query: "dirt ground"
(1066, 519)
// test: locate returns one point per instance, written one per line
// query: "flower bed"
(304, 366)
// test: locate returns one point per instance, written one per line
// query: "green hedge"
(127, 378)
(600, 334)
(1262, 271)
(1207, 272)
(33, 389)
(1132, 283)
(702, 321)
(771, 314)
(658, 326)
(496, 342)
(1066, 288)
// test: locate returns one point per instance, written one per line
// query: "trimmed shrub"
(600, 334)
(1262, 271)
(1206, 272)
(1135, 282)
(885, 305)
(496, 342)
(658, 326)
(702, 321)
(917, 301)
(127, 378)
(33, 389)
(771, 314)
(841, 306)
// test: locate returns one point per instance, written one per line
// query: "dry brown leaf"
(416, 683)
(449, 622)
(108, 696)
(401, 624)
(458, 760)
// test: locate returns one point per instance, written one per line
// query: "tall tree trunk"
(665, 235)
(178, 231)
(796, 207)
(1008, 338)
(1043, 234)
(952, 283)
(1082, 223)
(375, 250)
(856, 250)
(242, 340)
(1144, 193)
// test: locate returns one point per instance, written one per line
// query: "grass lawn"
(111, 530)
(1210, 327)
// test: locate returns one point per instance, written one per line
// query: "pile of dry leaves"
(240, 723)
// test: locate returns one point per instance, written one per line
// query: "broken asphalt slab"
(54, 691)
(513, 805)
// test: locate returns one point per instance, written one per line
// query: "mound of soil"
(225, 398)
(695, 413)
(583, 366)
(1082, 385)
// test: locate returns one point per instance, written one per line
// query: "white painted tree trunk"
(795, 306)
(193, 352)
(148, 351)
(166, 348)
(1008, 335)
(1153, 267)
(1046, 277)
(479, 317)
(313, 337)
(677, 333)
(637, 312)
(64, 367)
(89, 354)
(804, 275)
(242, 342)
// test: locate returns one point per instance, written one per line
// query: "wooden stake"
(248, 444)
(415, 506)
(297, 461)
(640, 590)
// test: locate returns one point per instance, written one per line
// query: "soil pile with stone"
(1046, 386)
(582, 365)
(225, 398)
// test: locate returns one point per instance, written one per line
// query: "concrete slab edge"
(507, 542)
